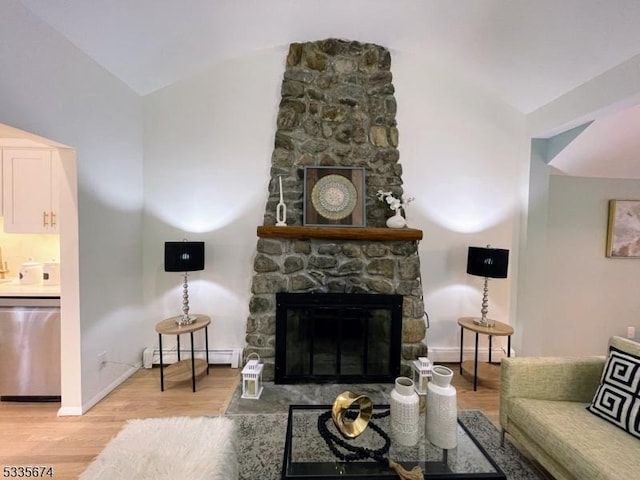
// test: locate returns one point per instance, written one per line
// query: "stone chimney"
(337, 109)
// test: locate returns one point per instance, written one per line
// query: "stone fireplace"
(337, 337)
(337, 110)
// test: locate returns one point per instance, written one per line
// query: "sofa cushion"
(584, 444)
(617, 399)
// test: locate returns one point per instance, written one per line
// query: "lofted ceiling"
(526, 53)
(608, 148)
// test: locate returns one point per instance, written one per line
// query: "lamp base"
(185, 319)
(484, 322)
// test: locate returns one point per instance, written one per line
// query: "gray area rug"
(261, 439)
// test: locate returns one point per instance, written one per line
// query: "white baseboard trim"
(77, 411)
(230, 356)
(109, 388)
(452, 354)
(69, 411)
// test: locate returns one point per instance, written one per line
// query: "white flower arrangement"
(394, 202)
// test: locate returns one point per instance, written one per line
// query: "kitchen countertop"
(13, 288)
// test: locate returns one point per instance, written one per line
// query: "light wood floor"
(32, 434)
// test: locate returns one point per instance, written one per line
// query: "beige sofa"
(543, 404)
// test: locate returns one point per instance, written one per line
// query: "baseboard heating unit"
(151, 356)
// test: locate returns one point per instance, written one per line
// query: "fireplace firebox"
(337, 337)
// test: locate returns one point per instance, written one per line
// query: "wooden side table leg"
(206, 346)
(193, 365)
(161, 364)
(475, 366)
(490, 347)
(461, 346)
(509, 346)
(178, 345)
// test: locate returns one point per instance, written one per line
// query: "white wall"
(208, 143)
(532, 274)
(462, 155)
(598, 297)
(566, 305)
(50, 88)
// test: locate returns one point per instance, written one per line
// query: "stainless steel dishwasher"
(29, 349)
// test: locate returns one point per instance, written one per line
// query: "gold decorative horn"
(339, 410)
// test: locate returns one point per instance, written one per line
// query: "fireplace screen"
(346, 338)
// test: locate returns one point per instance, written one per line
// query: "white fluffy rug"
(176, 448)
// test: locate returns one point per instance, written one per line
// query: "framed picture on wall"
(334, 196)
(623, 232)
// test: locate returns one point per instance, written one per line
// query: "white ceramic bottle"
(442, 411)
(405, 412)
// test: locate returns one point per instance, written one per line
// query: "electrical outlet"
(631, 332)
(102, 360)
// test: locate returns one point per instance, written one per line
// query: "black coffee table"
(307, 456)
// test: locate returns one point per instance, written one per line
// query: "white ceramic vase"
(397, 220)
(405, 412)
(442, 411)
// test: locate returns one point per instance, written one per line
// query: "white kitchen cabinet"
(30, 190)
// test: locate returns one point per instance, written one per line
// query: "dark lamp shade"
(183, 256)
(488, 262)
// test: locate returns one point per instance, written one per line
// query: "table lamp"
(184, 257)
(488, 263)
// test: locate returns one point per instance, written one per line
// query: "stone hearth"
(337, 109)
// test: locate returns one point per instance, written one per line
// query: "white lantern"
(421, 374)
(252, 377)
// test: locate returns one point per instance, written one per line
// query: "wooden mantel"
(340, 233)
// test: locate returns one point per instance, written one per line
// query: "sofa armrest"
(549, 378)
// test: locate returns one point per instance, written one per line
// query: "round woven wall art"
(334, 197)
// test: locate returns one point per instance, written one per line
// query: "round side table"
(183, 369)
(496, 330)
